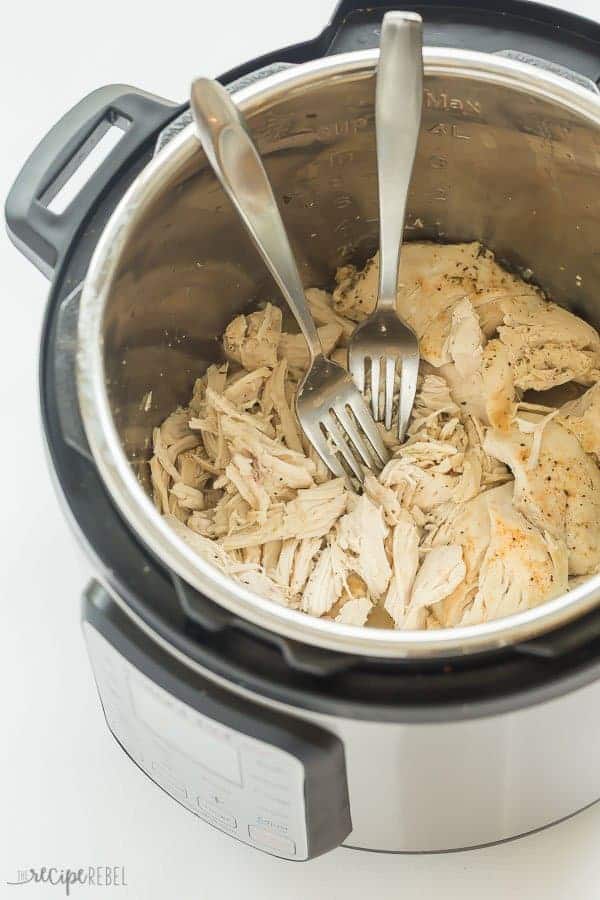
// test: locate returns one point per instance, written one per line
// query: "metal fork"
(330, 409)
(384, 338)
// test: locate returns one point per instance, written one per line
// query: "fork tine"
(375, 375)
(343, 447)
(356, 367)
(408, 388)
(358, 445)
(319, 442)
(363, 417)
(390, 368)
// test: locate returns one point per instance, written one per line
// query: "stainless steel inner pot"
(508, 154)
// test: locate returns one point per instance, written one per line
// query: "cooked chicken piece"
(384, 497)
(216, 377)
(442, 570)
(498, 385)
(252, 340)
(220, 405)
(548, 345)
(306, 552)
(432, 401)
(202, 522)
(161, 453)
(206, 548)
(274, 398)
(231, 513)
(362, 532)
(260, 583)
(493, 472)
(429, 469)
(294, 350)
(270, 557)
(321, 307)
(536, 428)
(244, 388)
(175, 427)
(465, 339)
(252, 555)
(561, 493)
(471, 480)
(355, 611)
(582, 418)
(461, 359)
(285, 563)
(522, 566)
(405, 556)
(321, 472)
(325, 582)
(248, 574)
(204, 418)
(468, 526)
(187, 496)
(313, 513)
(160, 485)
(242, 473)
(176, 510)
(192, 469)
(277, 468)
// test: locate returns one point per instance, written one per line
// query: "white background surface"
(68, 795)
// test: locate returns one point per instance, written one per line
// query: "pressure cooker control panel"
(262, 778)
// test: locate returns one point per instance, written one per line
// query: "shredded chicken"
(489, 507)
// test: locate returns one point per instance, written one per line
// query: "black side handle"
(44, 236)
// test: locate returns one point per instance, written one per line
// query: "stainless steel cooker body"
(291, 734)
(508, 156)
(425, 779)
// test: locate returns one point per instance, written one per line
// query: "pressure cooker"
(292, 734)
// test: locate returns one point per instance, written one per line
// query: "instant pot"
(289, 733)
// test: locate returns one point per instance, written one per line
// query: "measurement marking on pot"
(438, 162)
(446, 102)
(440, 194)
(343, 127)
(342, 200)
(444, 129)
(340, 158)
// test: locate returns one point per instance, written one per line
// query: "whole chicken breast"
(557, 489)
(521, 568)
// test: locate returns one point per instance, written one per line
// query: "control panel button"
(215, 816)
(271, 841)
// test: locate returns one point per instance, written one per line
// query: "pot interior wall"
(494, 164)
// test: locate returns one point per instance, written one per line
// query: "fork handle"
(223, 133)
(398, 102)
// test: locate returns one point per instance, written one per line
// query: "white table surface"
(68, 795)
